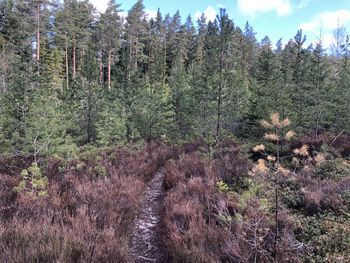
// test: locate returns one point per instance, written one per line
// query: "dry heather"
(88, 213)
(213, 209)
(203, 224)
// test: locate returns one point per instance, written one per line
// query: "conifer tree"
(134, 61)
(269, 91)
(110, 33)
(298, 76)
(318, 108)
(157, 117)
(341, 93)
(17, 31)
(73, 26)
(200, 78)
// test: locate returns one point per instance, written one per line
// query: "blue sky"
(275, 18)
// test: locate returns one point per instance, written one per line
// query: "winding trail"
(144, 242)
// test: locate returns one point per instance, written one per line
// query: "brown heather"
(86, 217)
(203, 224)
(91, 205)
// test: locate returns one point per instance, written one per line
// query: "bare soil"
(145, 245)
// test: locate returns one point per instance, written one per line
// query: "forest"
(239, 147)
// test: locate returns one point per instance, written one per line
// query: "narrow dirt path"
(145, 245)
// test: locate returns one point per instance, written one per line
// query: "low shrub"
(88, 212)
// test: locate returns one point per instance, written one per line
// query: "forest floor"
(145, 244)
(195, 202)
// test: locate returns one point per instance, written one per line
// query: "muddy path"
(144, 241)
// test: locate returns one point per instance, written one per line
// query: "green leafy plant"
(32, 183)
(332, 169)
(222, 187)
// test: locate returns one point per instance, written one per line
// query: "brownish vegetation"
(207, 225)
(214, 209)
(89, 210)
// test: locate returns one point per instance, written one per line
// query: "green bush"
(327, 238)
(32, 182)
(332, 169)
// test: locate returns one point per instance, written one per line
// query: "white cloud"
(304, 3)
(101, 5)
(327, 40)
(150, 14)
(123, 14)
(210, 13)
(322, 25)
(254, 7)
(327, 20)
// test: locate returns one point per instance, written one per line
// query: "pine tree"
(134, 61)
(249, 47)
(200, 80)
(173, 26)
(319, 106)
(157, 117)
(16, 33)
(298, 71)
(110, 33)
(90, 98)
(269, 92)
(73, 25)
(341, 93)
(178, 79)
(42, 14)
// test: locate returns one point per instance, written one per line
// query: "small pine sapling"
(32, 183)
(271, 163)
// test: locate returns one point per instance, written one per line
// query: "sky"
(274, 18)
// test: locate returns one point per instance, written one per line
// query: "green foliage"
(222, 186)
(100, 171)
(166, 79)
(67, 150)
(328, 238)
(333, 169)
(110, 125)
(80, 166)
(32, 183)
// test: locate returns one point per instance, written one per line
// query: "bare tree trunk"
(101, 72)
(3, 66)
(128, 129)
(67, 68)
(221, 86)
(109, 70)
(101, 67)
(38, 33)
(218, 114)
(74, 65)
(276, 222)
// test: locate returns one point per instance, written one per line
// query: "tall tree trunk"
(67, 69)
(38, 33)
(101, 72)
(218, 114)
(101, 67)
(128, 129)
(74, 65)
(89, 114)
(276, 226)
(3, 78)
(219, 96)
(109, 70)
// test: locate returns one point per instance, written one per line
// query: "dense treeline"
(70, 76)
